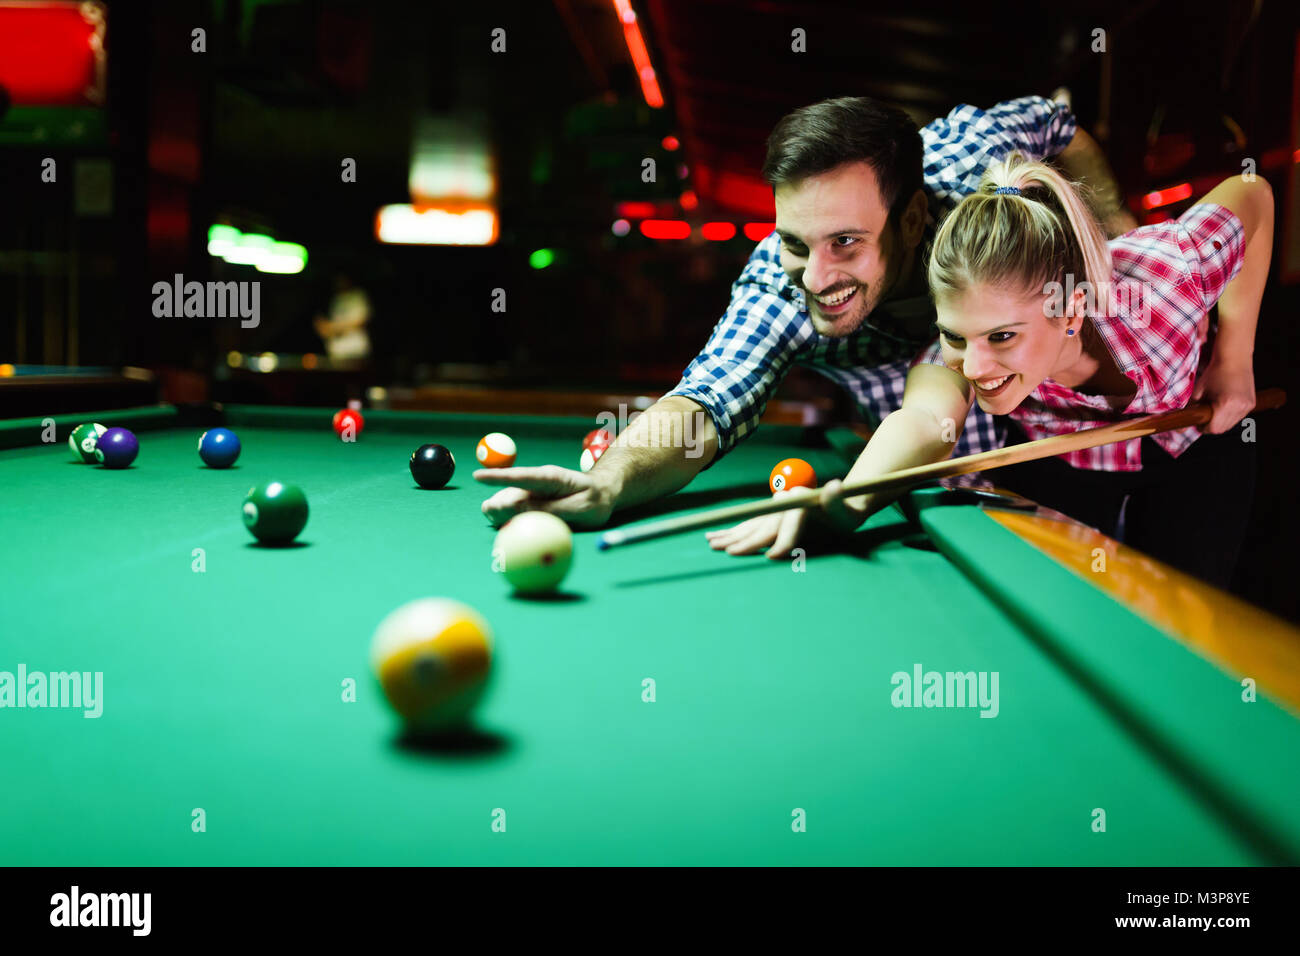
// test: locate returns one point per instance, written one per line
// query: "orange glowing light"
(636, 48)
(1165, 197)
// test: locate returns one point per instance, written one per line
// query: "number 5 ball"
(432, 658)
(792, 473)
(534, 550)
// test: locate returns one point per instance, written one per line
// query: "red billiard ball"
(596, 434)
(348, 424)
(792, 473)
(592, 452)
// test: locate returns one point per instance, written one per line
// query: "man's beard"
(866, 301)
(846, 323)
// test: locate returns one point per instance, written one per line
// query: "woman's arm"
(925, 430)
(1084, 161)
(1229, 380)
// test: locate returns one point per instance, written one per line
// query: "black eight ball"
(432, 466)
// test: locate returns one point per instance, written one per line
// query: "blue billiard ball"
(219, 447)
(116, 448)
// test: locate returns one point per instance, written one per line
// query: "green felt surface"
(223, 690)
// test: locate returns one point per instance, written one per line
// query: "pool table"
(672, 705)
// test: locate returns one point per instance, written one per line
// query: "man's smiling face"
(838, 245)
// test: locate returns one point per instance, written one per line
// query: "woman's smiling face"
(1002, 342)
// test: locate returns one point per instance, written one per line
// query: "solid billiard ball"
(83, 439)
(432, 466)
(591, 454)
(275, 512)
(116, 448)
(792, 473)
(496, 451)
(534, 550)
(432, 657)
(348, 423)
(219, 447)
(596, 434)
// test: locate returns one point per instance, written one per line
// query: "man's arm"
(659, 453)
(1083, 161)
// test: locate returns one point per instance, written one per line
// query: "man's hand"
(1229, 385)
(580, 499)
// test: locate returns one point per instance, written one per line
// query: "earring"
(1069, 331)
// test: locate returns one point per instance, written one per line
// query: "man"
(839, 287)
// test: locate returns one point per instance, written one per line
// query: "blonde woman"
(1041, 320)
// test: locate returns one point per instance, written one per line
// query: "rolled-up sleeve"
(750, 350)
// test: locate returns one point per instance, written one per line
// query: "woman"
(1042, 321)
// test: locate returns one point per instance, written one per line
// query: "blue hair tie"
(1008, 191)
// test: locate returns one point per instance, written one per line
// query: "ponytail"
(1025, 227)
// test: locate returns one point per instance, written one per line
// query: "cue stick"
(1196, 414)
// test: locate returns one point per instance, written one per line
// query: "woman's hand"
(1229, 385)
(780, 533)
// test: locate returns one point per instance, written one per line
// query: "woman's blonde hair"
(1021, 242)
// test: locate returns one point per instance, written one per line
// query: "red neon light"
(634, 209)
(689, 200)
(718, 231)
(1164, 197)
(53, 54)
(636, 48)
(758, 230)
(671, 143)
(665, 229)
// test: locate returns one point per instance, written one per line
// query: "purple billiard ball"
(117, 448)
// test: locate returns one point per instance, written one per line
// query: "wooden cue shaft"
(1196, 414)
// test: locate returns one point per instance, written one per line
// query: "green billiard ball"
(83, 440)
(275, 512)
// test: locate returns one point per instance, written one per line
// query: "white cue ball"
(534, 550)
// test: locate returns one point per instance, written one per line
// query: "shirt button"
(1217, 245)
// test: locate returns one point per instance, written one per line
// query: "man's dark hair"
(815, 139)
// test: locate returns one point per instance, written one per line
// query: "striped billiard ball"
(83, 440)
(432, 657)
(496, 450)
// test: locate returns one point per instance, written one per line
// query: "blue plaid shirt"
(766, 329)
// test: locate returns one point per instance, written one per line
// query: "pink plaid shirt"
(1166, 278)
